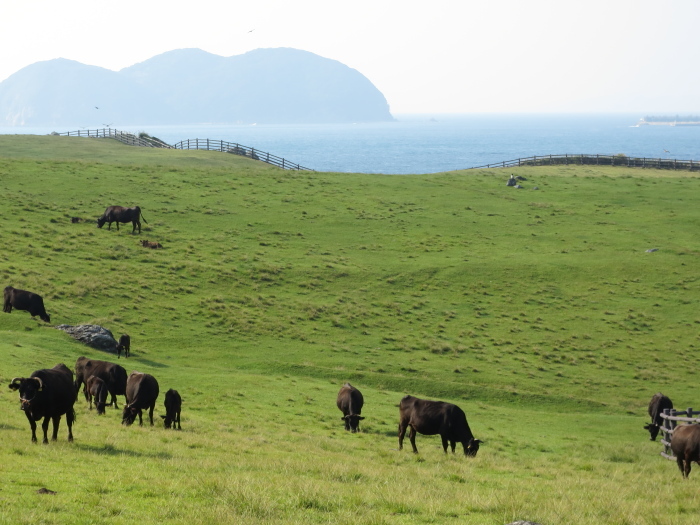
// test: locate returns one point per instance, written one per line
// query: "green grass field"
(539, 312)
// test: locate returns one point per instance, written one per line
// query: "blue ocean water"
(428, 144)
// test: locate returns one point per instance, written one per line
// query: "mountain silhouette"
(191, 86)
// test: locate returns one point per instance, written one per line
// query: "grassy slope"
(539, 312)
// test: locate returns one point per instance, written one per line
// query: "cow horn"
(14, 384)
(41, 383)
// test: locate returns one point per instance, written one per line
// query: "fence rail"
(598, 160)
(204, 144)
(671, 418)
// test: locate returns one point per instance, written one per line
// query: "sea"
(419, 144)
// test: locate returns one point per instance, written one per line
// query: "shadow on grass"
(111, 450)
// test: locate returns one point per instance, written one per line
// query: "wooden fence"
(598, 160)
(238, 149)
(205, 144)
(671, 418)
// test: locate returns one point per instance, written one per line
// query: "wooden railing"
(238, 149)
(599, 160)
(205, 144)
(671, 418)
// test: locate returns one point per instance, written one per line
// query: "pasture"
(539, 312)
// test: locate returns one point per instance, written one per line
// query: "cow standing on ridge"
(47, 394)
(350, 403)
(24, 300)
(121, 214)
(124, 344)
(436, 417)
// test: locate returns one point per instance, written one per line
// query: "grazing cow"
(124, 344)
(141, 393)
(114, 377)
(151, 244)
(47, 393)
(658, 403)
(685, 445)
(436, 417)
(96, 389)
(350, 403)
(24, 300)
(121, 214)
(173, 406)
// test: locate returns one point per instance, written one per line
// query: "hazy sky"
(439, 56)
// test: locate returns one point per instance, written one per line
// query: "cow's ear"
(163, 417)
(647, 426)
(360, 418)
(344, 418)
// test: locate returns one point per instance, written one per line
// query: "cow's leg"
(178, 422)
(90, 401)
(679, 462)
(32, 425)
(69, 421)
(85, 392)
(453, 444)
(150, 413)
(113, 401)
(402, 433)
(347, 422)
(412, 438)
(56, 423)
(140, 419)
(687, 465)
(444, 442)
(45, 428)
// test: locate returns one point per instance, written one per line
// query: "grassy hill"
(538, 311)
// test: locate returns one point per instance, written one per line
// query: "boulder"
(92, 335)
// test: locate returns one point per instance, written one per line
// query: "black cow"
(658, 403)
(97, 389)
(350, 403)
(24, 300)
(121, 214)
(173, 406)
(685, 444)
(113, 375)
(436, 417)
(124, 344)
(47, 393)
(141, 393)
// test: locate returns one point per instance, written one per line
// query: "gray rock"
(652, 250)
(92, 335)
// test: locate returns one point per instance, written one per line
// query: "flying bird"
(96, 107)
(666, 151)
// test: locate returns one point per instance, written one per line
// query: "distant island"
(670, 120)
(191, 86)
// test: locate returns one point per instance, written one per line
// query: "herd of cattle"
(51, 393)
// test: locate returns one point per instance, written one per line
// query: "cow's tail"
(144, 218)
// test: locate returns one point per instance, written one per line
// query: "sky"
(440, 56)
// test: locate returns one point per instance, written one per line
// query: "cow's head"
(472, 447)
(653, 430)
(167, 420)
(29, 389)
(45, 317)
(101, 222)
(353, 420)
(129, 415)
